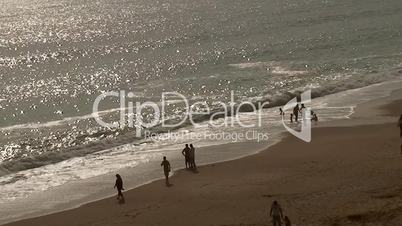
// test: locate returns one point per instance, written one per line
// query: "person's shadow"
(122, 201)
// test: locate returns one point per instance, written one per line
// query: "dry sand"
(345, 176)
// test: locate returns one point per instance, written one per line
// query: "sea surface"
(57, 57)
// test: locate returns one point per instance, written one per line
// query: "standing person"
(186, 154)
(400, 125)
(166, 169)
(296, 112)
(192, 157)
(119, 186)
(276, 214)
(302, 112)
(291, 118)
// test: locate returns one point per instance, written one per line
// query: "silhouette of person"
(296, 112)
(281, 113)
(186, 154)
(166, 169)
(119, 186)
(301, 110)
(313, 116)
(192, 157)
(276, 214)
(287, 221)
(400, 125)
(291, 118)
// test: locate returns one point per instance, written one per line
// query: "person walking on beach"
(296, 112)
(119, 186)
(186, 154)
(276, 214)
(166, 169)
(400, 125)
(192, 157)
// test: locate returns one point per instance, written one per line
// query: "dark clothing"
(119, 193)
(276, 214)
(287, 222)
(166, 170)
(192, 158)
(119, 183)
(296, 112)
(276, 221)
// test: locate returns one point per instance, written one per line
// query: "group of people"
(189, 157)
(277, 215)
(299, 111)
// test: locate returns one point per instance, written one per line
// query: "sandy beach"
(345, 176)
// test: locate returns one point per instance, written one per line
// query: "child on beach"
(296, 112)
(287, 221)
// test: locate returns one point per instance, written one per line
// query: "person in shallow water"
(281, 113)
(186, 154)
(166, 169)
(296, 112)
(119, 186)
(276, 214)
(302, 112)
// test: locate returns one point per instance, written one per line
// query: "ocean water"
(57, 56)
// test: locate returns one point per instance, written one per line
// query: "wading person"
(166, 169)
(296, 112)
(276, 214)
(186, 154)
(119, 186)
(302, 112)
(281, 113)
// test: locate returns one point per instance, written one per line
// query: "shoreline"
(149, 172)
(207, 166)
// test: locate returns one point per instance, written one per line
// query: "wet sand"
(345, 176)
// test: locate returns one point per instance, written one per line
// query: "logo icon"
(305, 132)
